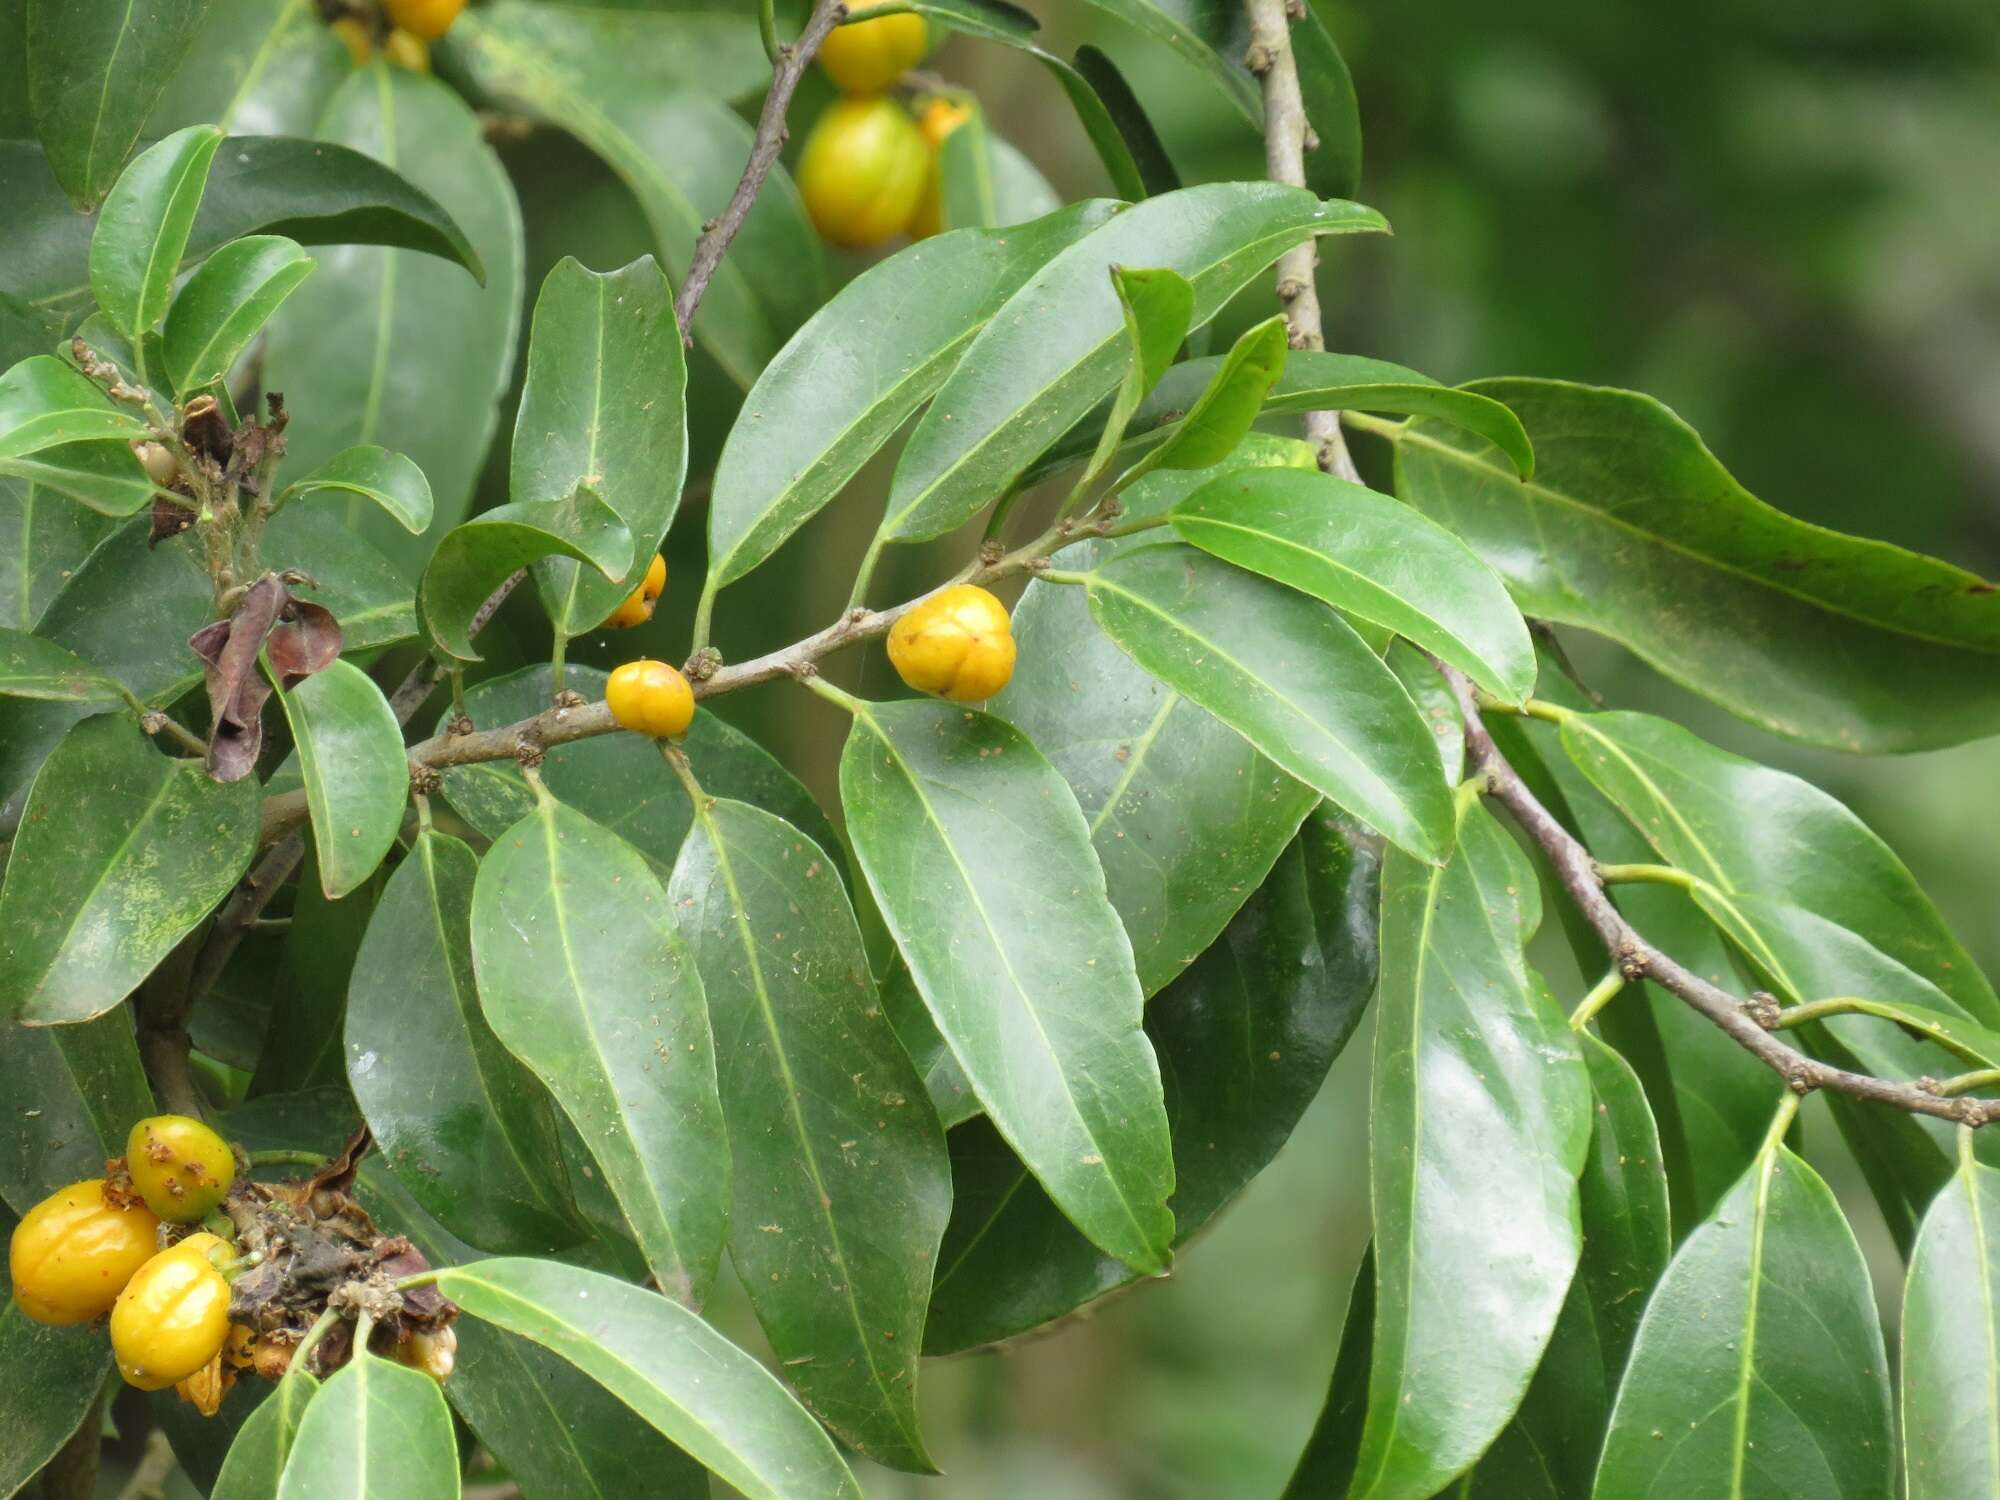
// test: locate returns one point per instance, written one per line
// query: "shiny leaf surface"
(257, 1457)
(142, 229)
(31, 667)
(76, 1091)
(1950, 1371)
(226, 304)
(376, 1428)
(58, 1374)
(350, 749)
(391, 480)
(44, 402)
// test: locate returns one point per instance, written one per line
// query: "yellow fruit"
(638, 607)
(360, 46)
(407, 50)
(651, 697)
(958, 643)
(940, 116)
(865, 57)
(433, 1353)
(427, 19)
(936, 120)
(180, 1167)
(72, 1253)
(863, 171)
(173, 1316)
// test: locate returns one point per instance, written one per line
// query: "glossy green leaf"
(1211, 37)
(261, 67)
(257, 1458)
(44, 402)
(1157, 306)
(466, 1129)
(46, 538)
(1369, 556)
(699, 1390)
(636, 48)
(105, 476)
(391, 480)
(320, 949)
(94, 73)
(388, 348)
(55, 1375)
(856, 371)
(350, 750)
(1480, 1117)
(1058, 345)
(1326, 1467)
(1950, 1371)
(1244, 1038)
(1758, 1370)
(583, 977)
(226, 303)
(1632, 529)
(74, 1092)
(1747, 828)
(1186, 817)
(605, 404)
(619, 780)
(477, 556)
(1128, 117)
(840, 1184)
(1223, 412)
(31, 667)
(680, 152)
(142, 230)
(963, 176)
(121, 851)
(1333, 166)
(1286, 673)
(981, 864)
(1549, 1451)
(376, 1428)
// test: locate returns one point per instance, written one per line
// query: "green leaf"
(1369, 556)
(45, 539)
(1480, 1117)
(1186, 817)
(1058, 345)
(376, 1428)
(1747, 828)
(1244, 1038)
(1632, 529)
(583, 977)
(1760, 1358)
(44, 402)
(702, 1392)
(893, 334)
(605, 404)
(1222, 414)
(981, 864)
(226, 304)
(31, 667)
(350, 749)
(840, 1184)
(477, 556)
(1213, 38)
(259, 66)
(56, 1375)
(681, 153)
(94, 73)
(963, 180)
(1286, 673)
(105, 476)
(142, 230)
(1157, 306)
(1326, 1467)
(121, 851)
(388, 348)
(320, 949)
(467, 1130)
(257, 1458)
(1333, 165)
(647, 47)
(1550, 1448)
(1128, 117)
(391, 480)
(1950, 1372)
(619, 780)
(74, 1092)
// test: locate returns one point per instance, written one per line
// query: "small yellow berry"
(173, 1316)
(354, 36)
(435, 1354)
(407, 50)
(180, 1167)
(638, 606)
(72, 1253)
(651, 697)
(863, 171)
(938, 118)
(865, 57)
(958, 643)
(425, 19)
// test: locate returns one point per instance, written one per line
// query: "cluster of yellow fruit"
(96, 1247)
(869, 171)
(406, 32)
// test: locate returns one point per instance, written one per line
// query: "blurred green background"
(1782, 217)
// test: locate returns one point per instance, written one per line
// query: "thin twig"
(1285, 144)
(1636, 958)
(788, 69)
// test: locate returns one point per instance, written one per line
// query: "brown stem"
(1636, 958)
(1285, 144)
(770, 140)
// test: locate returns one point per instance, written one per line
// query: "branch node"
(425, 781)
(1802, 1078)
(569, 698)
(1973, 1112)
(460, 726)
(704, 664)
(991, 551)
(1311, 141)
(1633, 963)
(1763, 1008)
(528, 754)
(1259, 59)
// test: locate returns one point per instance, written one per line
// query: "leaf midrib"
(1746, 1361)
